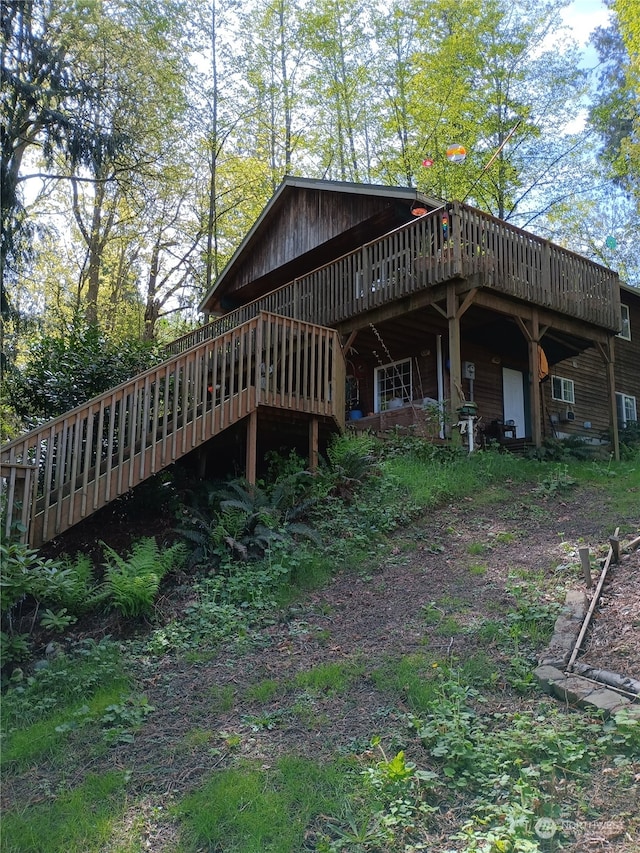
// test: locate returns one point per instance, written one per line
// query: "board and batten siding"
(627, 353)
(591, 406)
(311, 218)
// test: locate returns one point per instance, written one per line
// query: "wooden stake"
(592, 607)
(615, 547)
(586, 566)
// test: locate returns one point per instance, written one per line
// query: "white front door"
(513, 399)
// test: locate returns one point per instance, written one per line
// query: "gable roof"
(285, 195)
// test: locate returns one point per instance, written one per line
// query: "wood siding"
(627, 353)
(311, 218)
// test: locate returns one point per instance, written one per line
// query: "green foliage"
(61, 373)
(629, 440)
(81, 818)
(63, 587)
(557, 480)
(351, 461)
(333, 678)
(132, 582)
(248, 808)
(121, 720)
(243, 522)
(411, 678)
(58, 620)
(69, 678)
(562, 450)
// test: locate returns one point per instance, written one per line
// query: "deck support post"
(532, 334)
(313, 444)
(455, 363)
(251, 453)
(607, 352)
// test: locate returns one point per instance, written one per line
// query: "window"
(625, 323)
(627, 410)
(562, 389)
(393, 382)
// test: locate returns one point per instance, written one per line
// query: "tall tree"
(136, 70)
(41, 90)
(271, 60)
(615, 115)
(336, 35)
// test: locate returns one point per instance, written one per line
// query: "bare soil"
(460, 559)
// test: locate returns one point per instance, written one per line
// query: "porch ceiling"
(498, 334)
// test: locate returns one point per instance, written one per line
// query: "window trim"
(625, 318)
(377, 401)
(621, 399)
(563, 398)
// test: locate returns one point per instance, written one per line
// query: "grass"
(81, 819)
(253, 809)
(263, 691)
(410, 679)
(222, 698)
(49, 737)
(334, 678)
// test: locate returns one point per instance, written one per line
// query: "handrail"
(68, 468)
(457, 241)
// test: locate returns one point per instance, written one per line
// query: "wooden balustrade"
(60, 473)
(458, 241)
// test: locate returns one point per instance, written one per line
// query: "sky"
(583, 16)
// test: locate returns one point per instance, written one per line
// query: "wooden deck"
(64, 471)
(424, 253)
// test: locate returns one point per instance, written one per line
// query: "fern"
(132, 582)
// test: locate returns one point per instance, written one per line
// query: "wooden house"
(354, 304)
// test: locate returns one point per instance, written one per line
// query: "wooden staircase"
(67, 469)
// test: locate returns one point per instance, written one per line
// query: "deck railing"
(65, 470)
(453, 241)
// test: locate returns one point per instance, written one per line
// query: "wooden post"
(611, 380)
(313, 444)
(606, 351)
(592, 607)
(614, 542)
(586, 566)
(455, 365)
(251, 453)
(534, 359)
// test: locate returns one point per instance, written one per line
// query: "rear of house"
(351, 303)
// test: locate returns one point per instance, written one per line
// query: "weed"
(504, 537)
(330, 677)
(263, 692)
(121, 720)
(448, 627)
(558, 480)
(265, 721)
(432, 614)
(478, 569)
(477, 548)
(410, 679)
(68, 679)
(221, 698)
